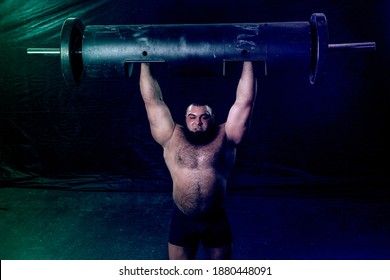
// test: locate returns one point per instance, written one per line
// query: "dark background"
(322, 137)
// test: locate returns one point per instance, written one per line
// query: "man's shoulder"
(178, 132)
(178, 128)
(177, 139)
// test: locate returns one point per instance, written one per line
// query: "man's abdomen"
(196, 193)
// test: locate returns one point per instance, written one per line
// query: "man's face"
(199, 118)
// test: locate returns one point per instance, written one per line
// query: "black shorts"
(212, 229)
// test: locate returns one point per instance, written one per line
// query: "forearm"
(246, 90)
(150, 89)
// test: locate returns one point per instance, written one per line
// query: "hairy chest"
(215, 154)
(190, 157)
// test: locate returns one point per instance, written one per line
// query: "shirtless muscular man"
(199, 157)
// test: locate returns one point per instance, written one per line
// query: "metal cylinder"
(107, 51)
(110, 50)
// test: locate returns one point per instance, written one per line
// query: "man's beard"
(200, 138)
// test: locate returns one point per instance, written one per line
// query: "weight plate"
(319, 42)
(71, 51)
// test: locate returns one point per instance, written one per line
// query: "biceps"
(161, 122)
(237, 122)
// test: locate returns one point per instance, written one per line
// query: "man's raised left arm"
(239, 115)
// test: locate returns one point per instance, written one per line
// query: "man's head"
(199, 122)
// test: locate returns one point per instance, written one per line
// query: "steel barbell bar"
(110, 50)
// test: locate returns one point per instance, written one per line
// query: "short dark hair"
(200, 102)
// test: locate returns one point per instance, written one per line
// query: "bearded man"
(199, 157)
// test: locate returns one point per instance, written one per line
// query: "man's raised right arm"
(160, 118)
